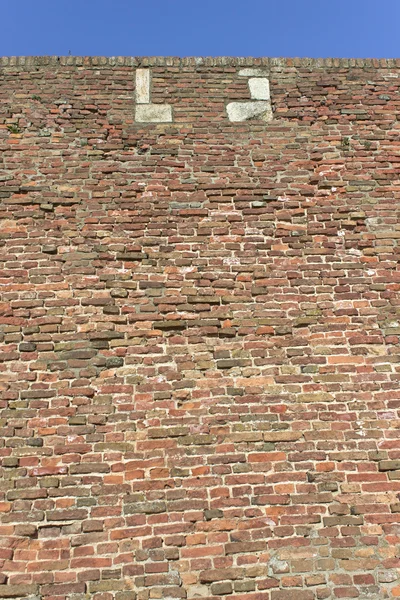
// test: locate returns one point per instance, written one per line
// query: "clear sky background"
(313, 28)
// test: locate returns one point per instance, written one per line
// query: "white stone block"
(142, 86)
(242, 111)
(259, 88)
(253, 73)
(153, 113)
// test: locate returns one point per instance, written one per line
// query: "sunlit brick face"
(199, 327)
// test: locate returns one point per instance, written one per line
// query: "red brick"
(199, 330)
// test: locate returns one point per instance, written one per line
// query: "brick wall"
(199, 320)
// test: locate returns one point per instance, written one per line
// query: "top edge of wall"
(173, 61)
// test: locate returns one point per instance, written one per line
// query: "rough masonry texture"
(199, 329)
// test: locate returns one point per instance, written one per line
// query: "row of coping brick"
(209, 61)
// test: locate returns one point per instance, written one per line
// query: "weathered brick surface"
(199, 320)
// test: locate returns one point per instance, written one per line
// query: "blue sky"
(313, 28)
